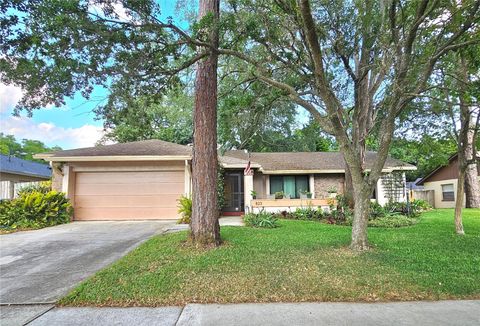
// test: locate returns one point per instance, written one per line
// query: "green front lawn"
(299, 261)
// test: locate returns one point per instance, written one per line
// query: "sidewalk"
(402, 313)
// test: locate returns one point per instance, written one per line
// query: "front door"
(234, 197)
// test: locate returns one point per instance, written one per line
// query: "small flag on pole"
(248, 169)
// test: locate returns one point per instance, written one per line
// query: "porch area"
(279, 205)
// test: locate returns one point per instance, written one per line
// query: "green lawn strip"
(299, 261)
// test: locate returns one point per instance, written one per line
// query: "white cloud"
(9, 97)
(51, 134)
(118, 9)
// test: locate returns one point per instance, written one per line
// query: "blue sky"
(71, 126)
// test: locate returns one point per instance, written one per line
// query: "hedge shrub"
(261, 220)
(34, 209)
(185, 209)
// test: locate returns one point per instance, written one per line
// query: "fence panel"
(427, 195)
(5, 188)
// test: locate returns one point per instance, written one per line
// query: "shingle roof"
(143, 147)
(15, 165)
(290, 161)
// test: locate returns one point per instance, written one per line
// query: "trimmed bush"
(185, 209)
(376, 211)
(35, 209)
(261, 220)
(302, 213)
(391, 215)
(394, 221)
(412, 209)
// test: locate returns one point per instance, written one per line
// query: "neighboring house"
(443, 182)
(143, 180)
(15, 172)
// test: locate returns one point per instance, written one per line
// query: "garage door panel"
(127, 200)
(125, 213)
(128, 195)
(129, 177)
(129, 189)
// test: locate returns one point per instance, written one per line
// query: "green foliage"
(391, 215)
(220, 187)
(42, 187)
(185, 209)
(67, 48)
(341, 213)
(167, 117)
(24, 149)
(261, 220)
(412, 209)
(392, 221)
(303, 213)
(395, 209)
(332, 189)
(420, 205)
(279, 195)
(35, 209)
(426, 153)
(376, 211)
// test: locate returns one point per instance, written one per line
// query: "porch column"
(68, 183)
(311, 183)
(188, 180)
(380, 192)
(11, 189)
(247, 192)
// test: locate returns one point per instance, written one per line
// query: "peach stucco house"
(144, 179)
(443, 183)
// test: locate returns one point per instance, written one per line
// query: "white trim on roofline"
(112, 158)
(239, 166)
(386, 170)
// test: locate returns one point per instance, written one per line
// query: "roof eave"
(116, 158)
(239, 166)
(328, 171)
(26, 174)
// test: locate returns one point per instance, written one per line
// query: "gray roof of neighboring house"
(15, 165)
(313, 161)
(309, 160)
(414, 184)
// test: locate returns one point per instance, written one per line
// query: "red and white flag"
(248, 170)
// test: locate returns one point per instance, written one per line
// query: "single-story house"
(144, 179)
(15, 171)
(443, 182)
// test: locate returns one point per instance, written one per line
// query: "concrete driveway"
(39, 267)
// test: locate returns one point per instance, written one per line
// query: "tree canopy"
(25, 148)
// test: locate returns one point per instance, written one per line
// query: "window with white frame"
(290, 185)
(448, 192)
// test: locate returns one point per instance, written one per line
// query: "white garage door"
(127, 195)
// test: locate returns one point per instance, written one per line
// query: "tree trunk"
(360, 219)
(348, 191)
(205, 229)
(462, 80)
(472, 187)
(459, 200)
